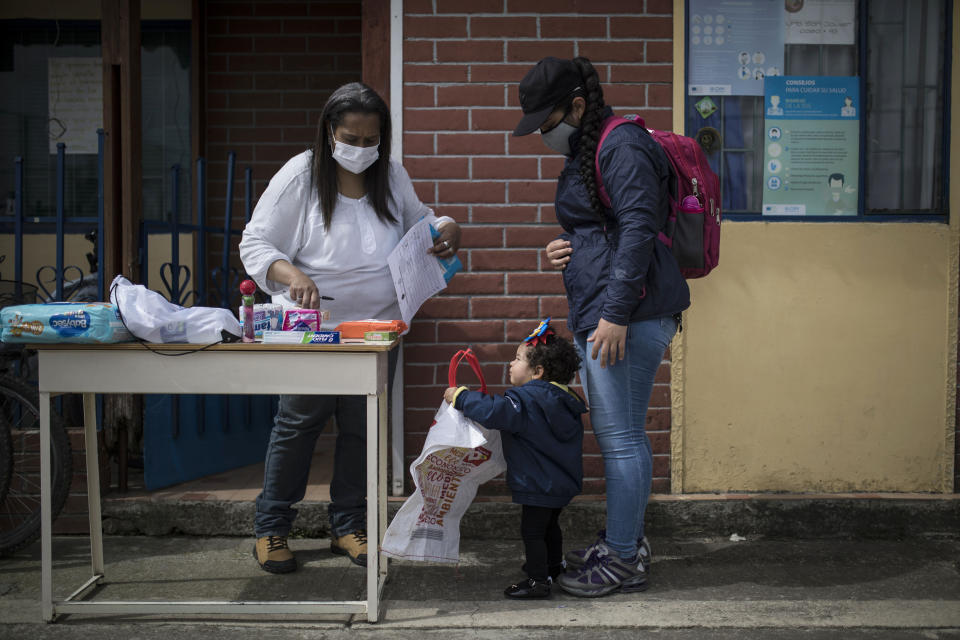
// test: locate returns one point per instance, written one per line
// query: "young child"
(542, 437)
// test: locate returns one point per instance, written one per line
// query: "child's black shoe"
(529, 588)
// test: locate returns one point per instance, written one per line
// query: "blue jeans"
(618, 397)
(298, 423)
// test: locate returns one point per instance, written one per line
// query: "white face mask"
(354, 159)
(558, 138)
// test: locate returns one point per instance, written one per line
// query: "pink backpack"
(693, 225)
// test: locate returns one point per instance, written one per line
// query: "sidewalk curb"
(880, 517)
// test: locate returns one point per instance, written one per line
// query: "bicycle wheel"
(20, 508)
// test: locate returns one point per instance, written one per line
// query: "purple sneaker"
(578, 557)
(604, 573)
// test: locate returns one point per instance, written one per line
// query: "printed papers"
(417, 275)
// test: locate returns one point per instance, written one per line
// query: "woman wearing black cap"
(625, 294)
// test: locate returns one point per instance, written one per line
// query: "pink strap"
(471, 359)
(609, 125)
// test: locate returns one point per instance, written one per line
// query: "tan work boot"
(353, 545)
(273, 554)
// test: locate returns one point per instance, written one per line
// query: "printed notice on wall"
(734, 45)
(812, 142)
(820, 21)
(75, 103)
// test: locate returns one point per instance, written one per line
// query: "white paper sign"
(417, 275)
(75, 103)
(820, 21)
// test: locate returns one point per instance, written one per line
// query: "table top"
(232, 346)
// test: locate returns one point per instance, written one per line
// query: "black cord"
(146, 344)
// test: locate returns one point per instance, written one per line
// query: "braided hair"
(590, 125)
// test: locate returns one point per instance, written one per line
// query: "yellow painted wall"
(821, 357)
(40, 249)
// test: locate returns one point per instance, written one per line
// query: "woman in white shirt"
(323, 229)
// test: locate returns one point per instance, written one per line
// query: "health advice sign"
(811, 146)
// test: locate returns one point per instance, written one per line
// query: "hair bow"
(539, 334)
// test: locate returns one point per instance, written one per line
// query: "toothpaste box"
(301, 337)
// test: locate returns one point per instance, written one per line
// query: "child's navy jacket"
(542, 437)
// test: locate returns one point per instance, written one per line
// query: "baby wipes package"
(266, 317)
(81, 322)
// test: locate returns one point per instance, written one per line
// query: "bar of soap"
(380, 336)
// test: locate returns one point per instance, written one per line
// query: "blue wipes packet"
(450, 265)
(79, 322)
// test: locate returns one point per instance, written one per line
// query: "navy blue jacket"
(542, 437)
(627, 274)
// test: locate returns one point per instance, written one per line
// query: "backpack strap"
(609, 125)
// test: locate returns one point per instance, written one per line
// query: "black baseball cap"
(542, 89)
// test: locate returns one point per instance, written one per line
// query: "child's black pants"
(542, 541)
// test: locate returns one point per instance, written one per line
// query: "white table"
(345, 369)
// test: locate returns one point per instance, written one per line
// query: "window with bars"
(901, 57)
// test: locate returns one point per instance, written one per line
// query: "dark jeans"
(542, 541)
(298, 423)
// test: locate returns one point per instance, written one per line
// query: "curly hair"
(558, 357)
(590, 126)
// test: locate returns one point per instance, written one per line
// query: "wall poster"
(734, 45)
(811, 146)
(74, 103)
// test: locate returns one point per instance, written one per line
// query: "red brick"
(536, 237)
(251, 27)
(641, 73)
(473, 283)
(278, 118)
(503, 260)
(218, 134)
(626, 94)
(281, 8)
(418, 6)
(608, 6)
(660, 397)
(426, 191)
(310, 25)
(433, 167)
(510, 73)
(255, 134)
(221, 9)
(646, 27)
(474, 6)
(660, 485)
(532, 191)
(495, 352)
(524, 145)
(495, 119)
(503, 214)
(503, 307)
(419, 375)
(306, 62)
(535, 283)
(338, 44)
(471, 95)
(418, 51)
(470, 331)
(299, 135)
(661, 119)
(427, 353)
(277, 152)
(435, 119)
(659, 52)
(660, 95)
(415, 144)
(275, 81)
(660, 442)
(470, 144)
(418, 95)
(470, 50)
(471, 192)
(579, 27)
(620, 51)
(663, 374)
(435, 73)
(517, 330)
(296, 99)
(229, 44)
(506, 168)
(541, 6)
(422, 330)
(443, 307)
(507, 27)
(660, 6)
(520, 51)
(555, 307)
(434, 27)
(482, 237)
(551, 167)
(425, 396)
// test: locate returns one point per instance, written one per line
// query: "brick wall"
(460, 102)
(270, 67)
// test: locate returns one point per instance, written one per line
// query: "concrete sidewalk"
(700, 588)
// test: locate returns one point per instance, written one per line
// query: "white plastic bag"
(151, 317)
(458, 456)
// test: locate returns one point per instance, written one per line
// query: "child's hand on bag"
(449, 394)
